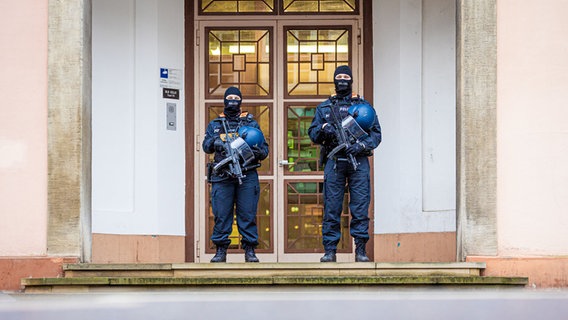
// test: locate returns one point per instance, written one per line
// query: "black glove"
(258, 152)
(219, 145)
(328, 130)
(355, 148)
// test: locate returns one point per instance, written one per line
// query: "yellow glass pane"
(264, 218)
(263, 86)
(256, 6)
(307, 48)
(221, 7)
(225, 35)
(340, 6)
(343, 47)
(326, 89)
(304, 215)
(242, 6)
(300, 6)
(327, 73)
(317, 61)
(306, 73)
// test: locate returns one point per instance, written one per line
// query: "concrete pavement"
(292, 303)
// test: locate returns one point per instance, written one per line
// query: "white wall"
(532, 128)
(138, 165)
(414, 78)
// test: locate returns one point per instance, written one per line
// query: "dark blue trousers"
(228, 196)
(337, 174)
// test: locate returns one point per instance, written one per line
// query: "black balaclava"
(232, 107)
(342, 86)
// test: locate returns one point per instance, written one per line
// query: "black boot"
(329, 256)
(360, 254)
(221, 255)
(249, 254)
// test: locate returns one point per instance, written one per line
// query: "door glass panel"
(241, 58)
(312, 55)
(237, 6)
(304, 215)
(301, 152)
(262, 115)
(327, 6)
(263, 222)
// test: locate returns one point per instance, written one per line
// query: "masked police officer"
(349, 165)
(230, 191)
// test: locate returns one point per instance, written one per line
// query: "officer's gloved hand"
(328, 130)
(219, 145)
(355, 148)
(258, 152)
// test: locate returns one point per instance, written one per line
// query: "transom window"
(214, 7)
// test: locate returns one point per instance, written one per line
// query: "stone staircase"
(180, 276)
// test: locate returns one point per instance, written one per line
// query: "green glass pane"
(301, 151)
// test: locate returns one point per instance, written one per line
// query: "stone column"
(477, 127)
(69, 129)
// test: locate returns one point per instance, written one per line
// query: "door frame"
(277, 100)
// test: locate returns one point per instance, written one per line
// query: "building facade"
(100, 161)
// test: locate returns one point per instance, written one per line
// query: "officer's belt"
(344, 159)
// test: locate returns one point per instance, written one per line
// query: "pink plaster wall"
(532, 59)
(23, 127)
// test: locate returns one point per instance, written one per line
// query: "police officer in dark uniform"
(227, 191)
(339, 169)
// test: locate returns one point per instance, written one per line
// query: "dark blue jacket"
(324, 115)
(215, 130)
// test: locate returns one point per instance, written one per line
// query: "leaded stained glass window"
(236, 6)
(241, 58)
(319, 6)
(312, 55)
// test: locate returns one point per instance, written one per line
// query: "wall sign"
(171, 78)
(169, 93)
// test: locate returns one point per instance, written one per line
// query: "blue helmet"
(252, 136)
(364, 114)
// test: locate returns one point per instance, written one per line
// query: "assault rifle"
(342, 138)
(232, 159)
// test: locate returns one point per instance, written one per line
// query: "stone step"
(108, 284)
(184, 270)
(180, 276)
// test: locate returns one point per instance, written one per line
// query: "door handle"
(284, 163)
